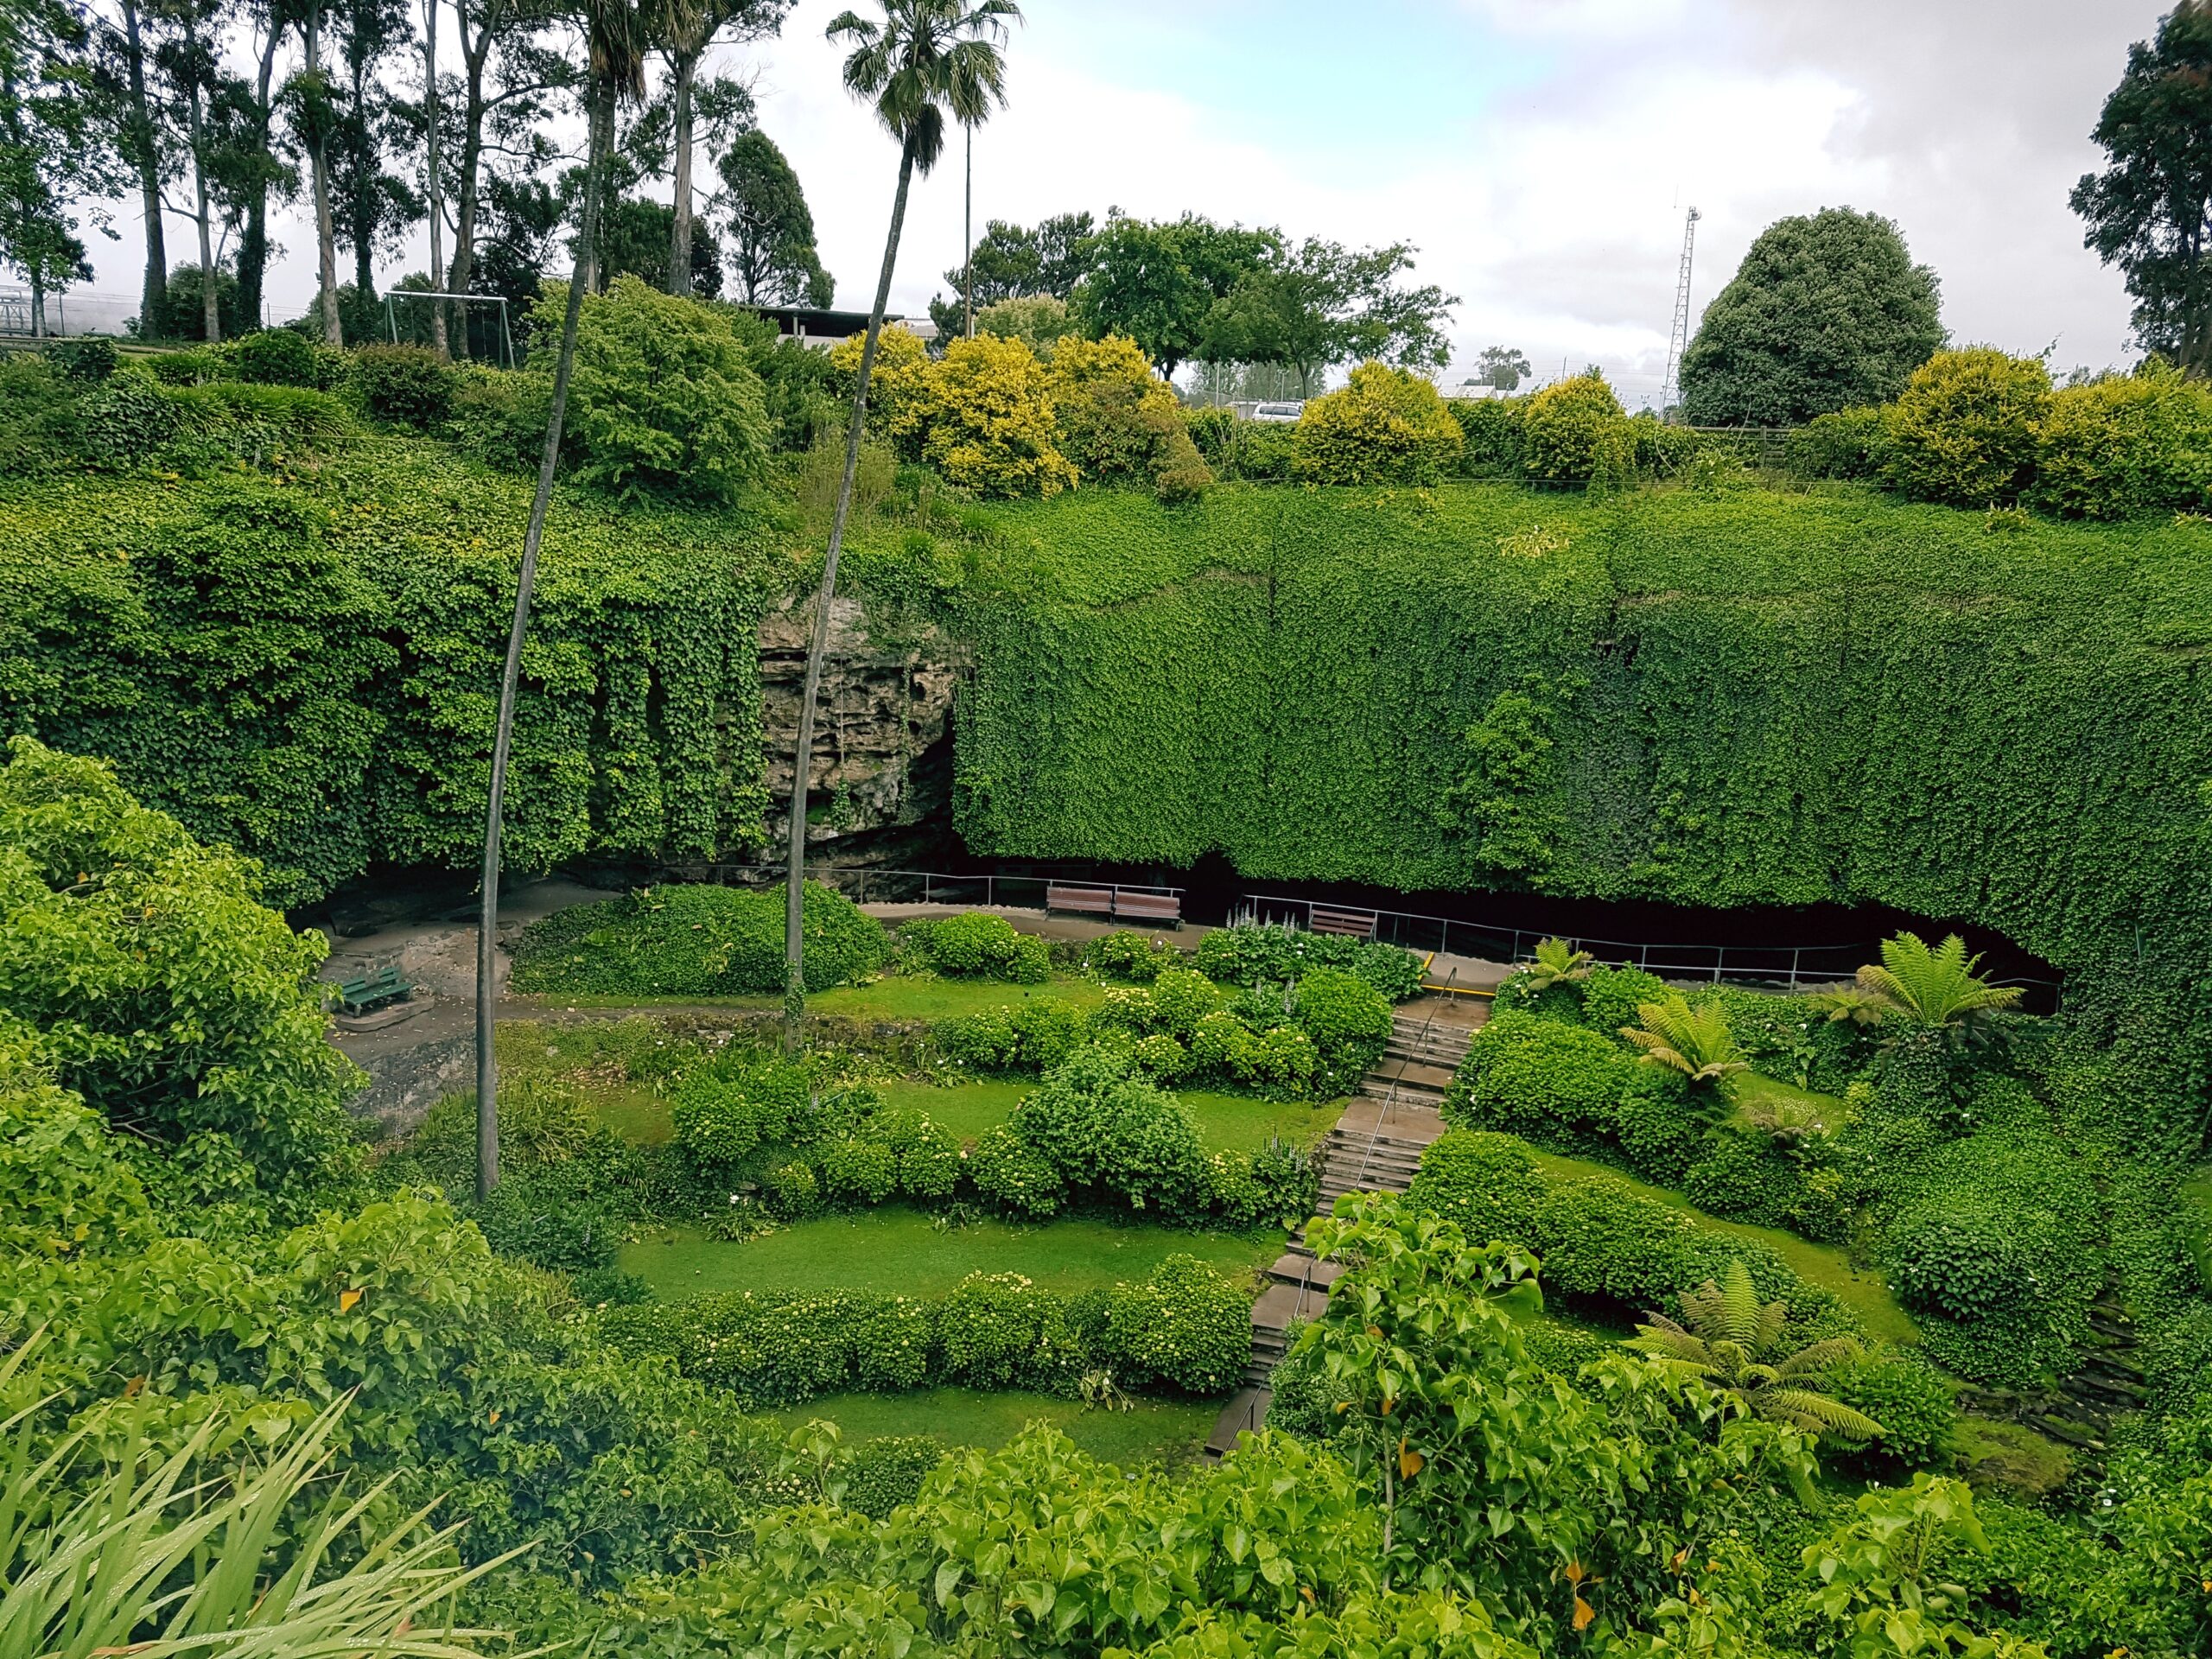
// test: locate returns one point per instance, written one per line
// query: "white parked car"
(1282, 414)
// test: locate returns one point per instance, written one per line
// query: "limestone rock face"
(880, 786)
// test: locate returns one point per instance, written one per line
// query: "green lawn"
(893, 1248)
(1153, 1431)
(904, 997)
(1865, 1292)
(1227, 1122)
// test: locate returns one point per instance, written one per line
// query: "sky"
(1539, 154)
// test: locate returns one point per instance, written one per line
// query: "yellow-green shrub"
(1574, 431)
(897, 385)
(1385, 426)
(2121, 447)
(983, 416)
(1963, 429)
(1120, 422)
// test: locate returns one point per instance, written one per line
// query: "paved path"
(1375, 1148)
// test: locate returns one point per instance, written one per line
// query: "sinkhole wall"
(1713, 699)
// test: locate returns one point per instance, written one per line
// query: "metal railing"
(865, 886)
(1789, 964)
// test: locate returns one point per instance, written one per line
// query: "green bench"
(385, 985)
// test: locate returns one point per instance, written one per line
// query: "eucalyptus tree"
(194, 83)
(507, 74)
(125, 52)
(250, 169)
(615, 33)
(52, 168)
(314, 118)
(923, 60)
(688, 30)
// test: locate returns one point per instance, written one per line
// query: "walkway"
(1375, 1148)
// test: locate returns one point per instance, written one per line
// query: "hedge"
(1184, 1330)
(697, 941)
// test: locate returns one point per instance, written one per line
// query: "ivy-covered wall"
(1713, 700)
(306, 665)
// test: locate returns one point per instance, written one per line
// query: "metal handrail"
(991, 883)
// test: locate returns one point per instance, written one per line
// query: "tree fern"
(1728, 1340)
(1938, 986)
(1693, 1040)
(1558, 962)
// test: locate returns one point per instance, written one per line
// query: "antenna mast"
(1678, 335)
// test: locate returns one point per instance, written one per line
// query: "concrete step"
(1280, 1304)
(1247, 1409)
(1302, 1266)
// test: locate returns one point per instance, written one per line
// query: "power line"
(1678, 335)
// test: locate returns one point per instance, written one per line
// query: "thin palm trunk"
(488, 1073)
(818, 647)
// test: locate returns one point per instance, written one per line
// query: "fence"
(1763, 447)
(866, 886)
(1786, 964)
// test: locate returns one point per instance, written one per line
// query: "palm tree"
(925, 58)
(1558, 962)
(687, 29)
(1936, 989)
(1694, 1041)
(615, 35)
(1727, 1340)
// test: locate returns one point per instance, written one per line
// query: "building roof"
(816, 323)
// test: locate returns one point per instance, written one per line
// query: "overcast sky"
(1539, 153)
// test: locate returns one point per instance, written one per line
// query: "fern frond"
(1816, 1413)
(1739, 1305)
(1773, 1319)
(1672, 1344)
(1821, 1357)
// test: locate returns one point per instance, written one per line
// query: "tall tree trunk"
(487, 1071)
(153, 291)
(463, 271)
(211, 315)
(818, 647)
(326, 229)
(253, 240)
(364, 205)
(430, 170)
(686, 69)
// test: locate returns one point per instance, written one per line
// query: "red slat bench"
(1097, 901)
(1148, 906)
(1354, 923)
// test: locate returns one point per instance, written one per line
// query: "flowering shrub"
(1185, 1328)
(1135, 956)
(978, 945)
(856, 1171)
(1008, 1172)
(1253, 953)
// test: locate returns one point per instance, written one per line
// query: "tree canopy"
(1826, 311)
(772, 251)
(2150, 211)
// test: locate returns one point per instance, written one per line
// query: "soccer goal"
(506, 339)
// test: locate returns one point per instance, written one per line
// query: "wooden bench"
(1095, 901)
(1353, 923)
(385, 985)
(1148, 906)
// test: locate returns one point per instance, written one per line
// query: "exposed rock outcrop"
(881, 781)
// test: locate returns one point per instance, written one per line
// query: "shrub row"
(979, 945)
(697, 941)
(1313, 1037)
(1977, 429)
(1185, 1330)
(1257, 954)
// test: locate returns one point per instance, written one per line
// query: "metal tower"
(1678, 336)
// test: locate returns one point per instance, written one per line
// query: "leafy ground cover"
(893, 1248)
(1150, 1431)
(1755, 1093)
(1823, 1265)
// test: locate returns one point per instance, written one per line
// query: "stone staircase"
(2105, 1384)
(1375, 1148)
